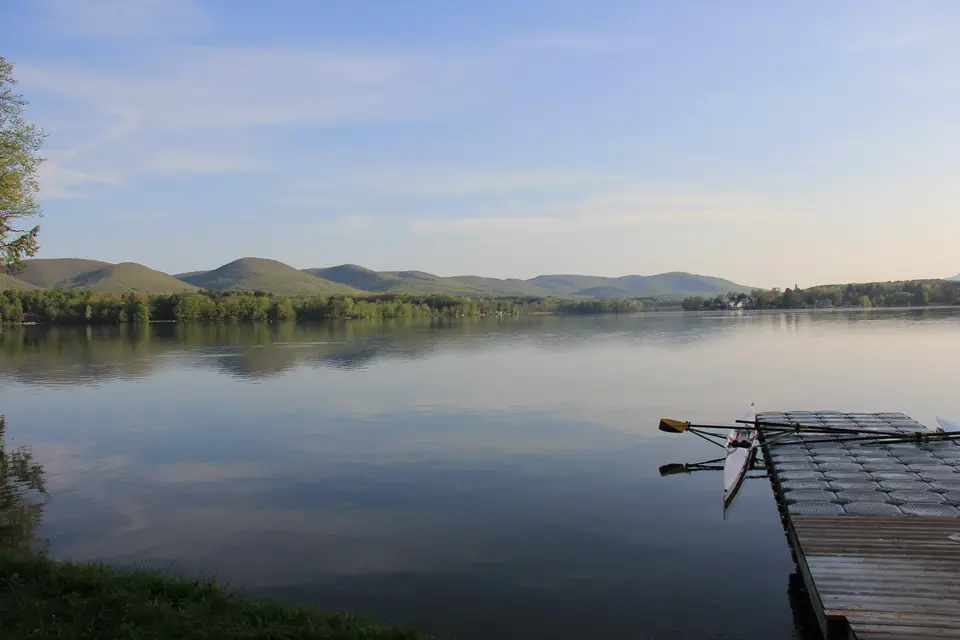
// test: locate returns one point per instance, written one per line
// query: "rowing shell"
(946, 426)
(741, 449)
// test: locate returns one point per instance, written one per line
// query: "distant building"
(823, 304)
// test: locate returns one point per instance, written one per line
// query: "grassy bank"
(41, 598)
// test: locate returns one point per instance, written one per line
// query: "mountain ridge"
(127, 276)
(252, 274)
(264, 274)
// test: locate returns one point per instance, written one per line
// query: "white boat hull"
(946, 426)
(741, 450)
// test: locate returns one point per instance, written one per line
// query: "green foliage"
(20, 144)
(56, 306)
(916, 293)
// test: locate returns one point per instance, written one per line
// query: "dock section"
(874, 528)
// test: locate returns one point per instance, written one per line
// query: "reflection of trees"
(89, 355)
(70, 355)
(21, 484)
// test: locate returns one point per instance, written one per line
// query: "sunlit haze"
(769, 143)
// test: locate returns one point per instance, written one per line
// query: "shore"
(41, 598)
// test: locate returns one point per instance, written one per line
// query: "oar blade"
(673, 468)
(673, 426)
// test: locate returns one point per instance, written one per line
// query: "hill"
(675, 283)
(261, 274)
(126, 276)
(956, 277)
(50, 272)
(10, 282)
(357, 277)
(189, 274)
(414, 282)
(498, 287)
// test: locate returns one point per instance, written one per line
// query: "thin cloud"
(200, 162)
(576, 43)
(436, 182)
(129, 216)
(349, 225)
(123, 19)
(197, 88)
(625, 210)
(62, 182)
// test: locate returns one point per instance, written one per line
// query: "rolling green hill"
(675, 283)
(261, 274)
(357, 277)
(50, 272)
(10, 282)
(498, 287)
(126, 276)
(414, 282)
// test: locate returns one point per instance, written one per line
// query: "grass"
(41, 598)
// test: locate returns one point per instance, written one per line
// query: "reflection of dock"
(874, 529)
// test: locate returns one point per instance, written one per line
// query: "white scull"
(741, 450)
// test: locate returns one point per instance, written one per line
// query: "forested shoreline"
(56, 306)
(912, 293)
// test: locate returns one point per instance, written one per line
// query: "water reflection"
(22, 496)
(484, 478)
(92, 355)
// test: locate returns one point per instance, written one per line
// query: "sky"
(771, 143)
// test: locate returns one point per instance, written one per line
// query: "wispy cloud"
(576, 43)
(907, 37)
(349, 225)
(634, 209)
(123, 19)
(59, 182)
(433, 182)
(219, 87)
(132, 216)
(200, 162)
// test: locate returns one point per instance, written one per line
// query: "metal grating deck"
(875, 529)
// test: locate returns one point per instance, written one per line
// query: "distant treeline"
(55, 306)
(917, 293)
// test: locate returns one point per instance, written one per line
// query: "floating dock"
(874, 528)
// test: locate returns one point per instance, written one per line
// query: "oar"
(809, 428)
(671, 425)
(678, 467)
(888, 438)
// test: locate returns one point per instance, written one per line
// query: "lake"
(492, 478)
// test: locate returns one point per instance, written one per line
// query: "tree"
(283, 310)
(20, 144)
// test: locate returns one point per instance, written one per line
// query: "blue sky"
(771, 143)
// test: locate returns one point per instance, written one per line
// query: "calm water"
(482, 479)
